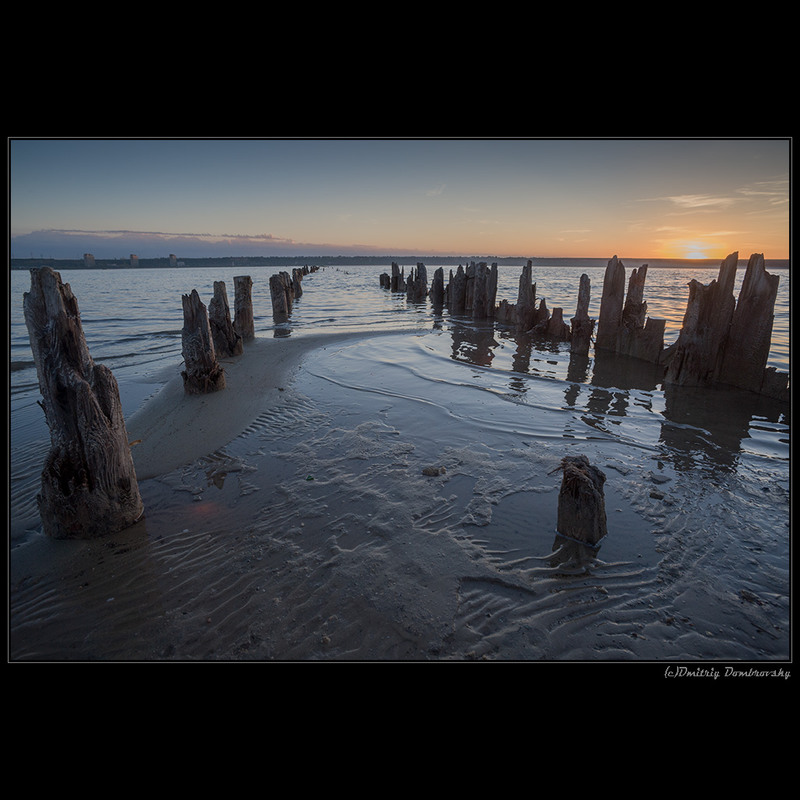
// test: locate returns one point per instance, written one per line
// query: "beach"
(376, 495)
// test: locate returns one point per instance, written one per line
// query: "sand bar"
(173, 428)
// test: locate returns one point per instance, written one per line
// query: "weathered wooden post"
(398, 279)
(437, 288)
(282, 294)
(695, 358)
(750, 332)
(89, 485)
(582, 326)
(484, 291)
(203, 374)
(243, 307)
(611, 302)
(227, 342)
(297, 282)
(556, 327)
(581, 524)
(456, 291)
(417, 285)
(523, 313)
(526, 298)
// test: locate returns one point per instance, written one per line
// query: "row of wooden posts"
(210, 334)
(722, 340)
(89, 486)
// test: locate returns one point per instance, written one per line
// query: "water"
(698, 480)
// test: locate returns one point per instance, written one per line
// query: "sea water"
(705, 471)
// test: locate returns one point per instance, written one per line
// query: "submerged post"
(89, 485)
(243, 307)
(203, 373)
(581, 524)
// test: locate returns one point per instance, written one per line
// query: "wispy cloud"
(436, 191)
(700, 201)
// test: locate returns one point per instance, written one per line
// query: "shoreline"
(172, 428)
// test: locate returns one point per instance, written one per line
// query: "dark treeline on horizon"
(355, 261)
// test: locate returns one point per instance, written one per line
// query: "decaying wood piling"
(297, 282)
(417, 285)
(437, 288)
(398, 280)
(581, 524)
(623, 326)
(243, 307)
(750, 333)
(723, 341)
(484, 291)
(457, 292)
(202, 373)
(88, 485)
(582, 326)
(227, 342)
(282, 294)
(521, 314)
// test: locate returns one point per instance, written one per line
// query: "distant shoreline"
(355, 261)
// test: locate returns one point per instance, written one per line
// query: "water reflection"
(698, 427)
(709, 425)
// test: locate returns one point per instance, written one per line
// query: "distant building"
(134, 260)
(88, 260)
(173, 260)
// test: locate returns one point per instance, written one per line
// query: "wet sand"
(279, 528)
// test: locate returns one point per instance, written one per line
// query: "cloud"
(436, 192)
(700, 201)
(72, 243)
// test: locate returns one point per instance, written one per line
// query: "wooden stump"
(243, 307)
(226, 341)
(297, 282)
(582, 326)
(457, 292)
(696, 356)
(525, 310)
(437, 288)
(282, 294)
(750, 334)
(611, 303)
(202, 373)
(398, 280)
(484, 291)
(417, 285)
(581, 524)
(89, 485)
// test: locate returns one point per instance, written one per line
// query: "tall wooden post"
(227, 342)
(89, 485)
(582, 325)
(243, 307)
(203, 374)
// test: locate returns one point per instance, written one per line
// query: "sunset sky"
(637, 198)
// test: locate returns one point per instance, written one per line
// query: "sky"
(551, 198)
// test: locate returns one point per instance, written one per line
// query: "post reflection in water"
(699, 428)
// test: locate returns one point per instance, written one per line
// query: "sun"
(695, 249)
